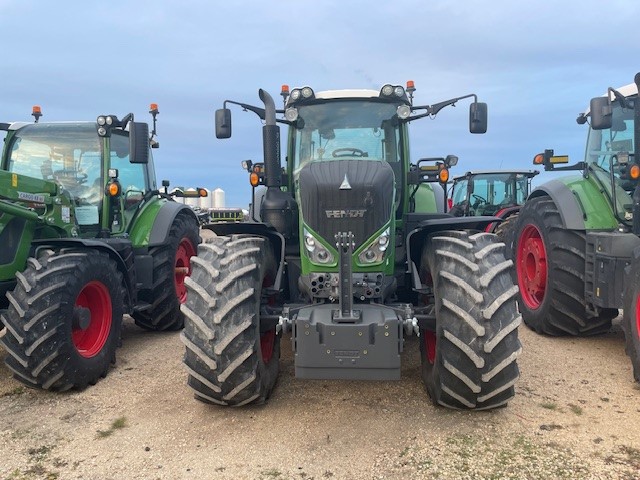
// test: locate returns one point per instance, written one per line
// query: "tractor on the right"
(577, 239)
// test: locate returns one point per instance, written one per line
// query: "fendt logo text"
(345, 213)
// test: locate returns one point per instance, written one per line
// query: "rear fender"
(581, 203)
(257, 229)
(151, 226)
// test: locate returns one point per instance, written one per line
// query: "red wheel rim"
(267, 342)
(429, 339)
(637, 312)
(531, 265)
(96, 299)
(186, 250)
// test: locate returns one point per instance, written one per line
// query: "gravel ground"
(576, 414)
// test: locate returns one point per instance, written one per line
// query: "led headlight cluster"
(317, 252)
(374, 253)
(104, 123)
(304, 93)
(393, 91)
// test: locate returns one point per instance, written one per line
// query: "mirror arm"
(257, 110)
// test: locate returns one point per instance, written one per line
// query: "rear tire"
(631, 317)
(168, 291)
(469, 362)
(550, 268)
(231, 356)
(64, 320)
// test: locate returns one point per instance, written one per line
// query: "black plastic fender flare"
(438, 223)
(259, 229)
(571, 213)
(58, 243)
(164, 219)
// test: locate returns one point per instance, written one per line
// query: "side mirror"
(478, 117)
(138, 142)
(601, 110)
(223, 123)
(451, 160)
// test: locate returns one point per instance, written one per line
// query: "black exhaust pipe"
(270, 142)
(278, 208)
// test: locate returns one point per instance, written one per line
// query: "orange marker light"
(285, 90)
(443, 175)
(538, 159)
(36, 110)
(153, 108)
(634, 172)
(114, 189)
(254, 179)
(410, 84)
(202, 192)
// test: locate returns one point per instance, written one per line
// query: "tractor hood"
(346, 196)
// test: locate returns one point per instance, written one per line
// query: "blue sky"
(536, 64)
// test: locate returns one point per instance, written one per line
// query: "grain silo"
(218, 198)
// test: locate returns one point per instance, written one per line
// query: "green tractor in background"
(577, 253)
(349, 250)
(496, 192)
(86, 237)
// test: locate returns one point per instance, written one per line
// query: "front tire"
(631, 317)
(64, 320)
(170, 268)
(469, 361)
(550, 268)
(231, 355)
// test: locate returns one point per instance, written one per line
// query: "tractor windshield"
(490, 192)
(349, 129)
(607, 154)
(67, 153)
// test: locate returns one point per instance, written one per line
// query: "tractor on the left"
(86, 237)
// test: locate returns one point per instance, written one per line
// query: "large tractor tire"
(64, 319)
(631, 318)
(505, 231)
(469, 361)
(170, 268)
(550, 269)
(231, 356)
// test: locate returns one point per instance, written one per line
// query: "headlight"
(317, 252)
(403, 111)
(291, 114)
(374, 253)
(387, 90)
(399, 91)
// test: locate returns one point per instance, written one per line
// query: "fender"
(257, 229)
(164, 219)
(422, 225)
(571, 213)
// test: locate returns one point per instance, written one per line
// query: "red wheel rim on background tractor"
(186, 250)
(429, 339)
(93, 300)
(531, 265)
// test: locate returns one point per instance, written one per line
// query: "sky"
(536, 63)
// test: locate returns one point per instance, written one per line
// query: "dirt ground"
(576, 414)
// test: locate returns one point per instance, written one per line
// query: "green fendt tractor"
(86, 237)
(576, 235)
(348, 251)
(495, 192)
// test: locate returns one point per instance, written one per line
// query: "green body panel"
(598, 214)
(309, 267)
(140, 229)
(425, 199)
